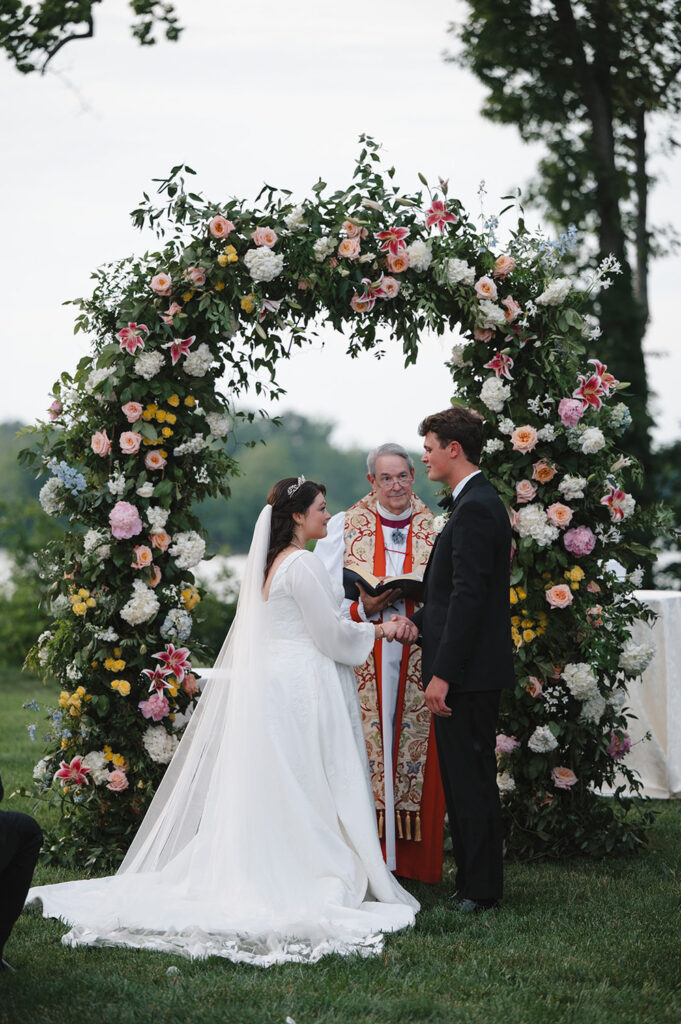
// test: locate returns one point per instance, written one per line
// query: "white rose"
(494, 394)
(580, 680)
(542, 740)
(592, 440)
(148, 364)
(505, 782)
(295, 220)
(555, 293)
(420, 256)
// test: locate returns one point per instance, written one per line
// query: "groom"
(465, 632)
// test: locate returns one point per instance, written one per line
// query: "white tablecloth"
(656, 700)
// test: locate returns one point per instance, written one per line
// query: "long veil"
(230, 697)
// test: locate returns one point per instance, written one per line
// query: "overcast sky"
(264, 91)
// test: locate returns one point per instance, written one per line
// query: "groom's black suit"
(465, 632)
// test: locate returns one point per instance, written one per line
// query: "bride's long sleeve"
(341, 639)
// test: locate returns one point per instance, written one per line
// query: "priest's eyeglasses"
(389, 481)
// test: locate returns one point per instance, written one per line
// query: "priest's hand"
(436, 693)
(407, 631)
(375, 605)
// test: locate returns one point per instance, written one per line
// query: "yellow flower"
(167, 432)
(150, 411)
(546, 575)
(187, 296)
(122, 685)
(528, 634)
(80, 608)
(190, 400)
(527, 623)
(63, 699)
(163, 453)
(174, 400)
(140, 784)
(91, 603)
(83, 592)
(118, 760)
(110, 664)
(64, 745)
(517, 639)
(117, 652)
(514, 596)
(515, 620)
(148, 440)
(74, 712)
(161, 415)
(521, 593)
(190, 597)
(248, 303)
(108, 755)
(230, 253)
(219, 285)
(171, 418)
(80, 690)
(222, 260)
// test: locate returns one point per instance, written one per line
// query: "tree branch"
(67, 39)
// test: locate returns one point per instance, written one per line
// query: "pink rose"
(593, 587)
(594, 615)
(168, 317)
(197, 276)
(154, 460)
(100, 443)
(524, 439)
(160, 540)
(55, 409)
(265, 236)
(534, 687)
(143, 557)
(579, 541)
(525, 491)
(483, 333)
(618, 747)
(559, 596)
(506, 744)
(397, 263)
(503, 266)
(570, 411)
(124, 520)
(563, 778)
(156, 707)
(154, 576)
(513, 309)
(350, 229)
(118, 781)
(559, 515)
(390, 287)
(162, 284)
(543, 471)
(485, 288)
(190, 685)
(349, 248)
(220, 227)
(132, 411)
(130, 441)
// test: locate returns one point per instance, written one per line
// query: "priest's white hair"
(387, 449)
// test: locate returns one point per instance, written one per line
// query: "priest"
(389, 533)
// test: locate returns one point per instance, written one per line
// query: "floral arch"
(137, 437)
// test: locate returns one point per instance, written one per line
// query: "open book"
(409, 583)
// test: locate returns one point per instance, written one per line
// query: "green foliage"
(31, 34)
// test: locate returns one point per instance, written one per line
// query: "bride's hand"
(387, 630)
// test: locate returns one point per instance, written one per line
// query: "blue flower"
(31, 706)
(31, 731)
(70, 478)
(177, 625)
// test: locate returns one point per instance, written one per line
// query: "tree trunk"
(642, 239)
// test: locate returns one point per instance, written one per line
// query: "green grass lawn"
(576, 943)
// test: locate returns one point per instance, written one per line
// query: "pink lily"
(374, 289)
(438, 215)
(393, 240)
(607, 379)
(269, 306)
(613, 499)
(131, 338)
(502, 365)
(73, 771)
(179, 347)
(176, 660)
(158, 677)
(590, 390)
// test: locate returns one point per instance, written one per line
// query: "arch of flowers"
(137, 437)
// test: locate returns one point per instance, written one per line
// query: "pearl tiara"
(294, 487)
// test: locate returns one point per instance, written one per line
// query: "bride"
(260, 844)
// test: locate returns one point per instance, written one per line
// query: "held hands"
(406, 631)
(436, 693)
(373, 606)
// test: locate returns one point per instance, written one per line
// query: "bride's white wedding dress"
(261, 842)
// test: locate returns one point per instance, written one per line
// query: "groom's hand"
(407, 631)
(436, 694)
(375, 605)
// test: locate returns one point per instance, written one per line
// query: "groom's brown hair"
(456, 424)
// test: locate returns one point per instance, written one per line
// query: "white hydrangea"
(617, 699)
(542, 740)
(188, 549)
(295, 220)
(636, 657)
(50, 496)
(555, 293)
(108, 635)
(547, 432)
(98, 765)
(531, 522)
(146, 490)
(593, 708)
(495, 444)
(458, 272)
(505, 782)
(159, 744)
(95, 543)
(324, 247)
(572, 487)
(494, 393)
(580, 680)
(193, 446)
(157, 518)
(148, 364)
(218, 423)
(592, 440)
(142, 606)
(199, 361)
(506, 426)
(456, 359)
(116, 483)
(97, 377)
(491, 315)
(263, 264)
(420, 256)
(40, 770)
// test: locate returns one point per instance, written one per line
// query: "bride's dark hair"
(283, 506)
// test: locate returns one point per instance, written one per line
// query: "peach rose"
(503, 266)
(161, 284)
(543, 471)
(349, 248)
(524, 439)
(154, 576)
(525, 491)
(390, 287)
(483, 333)
(132, 411)
(130, 441)
(350, 229)
(189, 684)
(100, 443)
(534, 687)
(563, 778)
(118, 781)
(160, 540)
(169, 316)
(513, 309)
(559, 515)
(265, 236)
(154, 460)
(220, 227)
(485, 288)
(361, 305)
(594, 615)
(399, 263)
(197, 276)
(593, 587)
(143, 557)
(559, 596)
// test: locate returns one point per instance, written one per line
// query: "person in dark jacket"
(20, 842)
